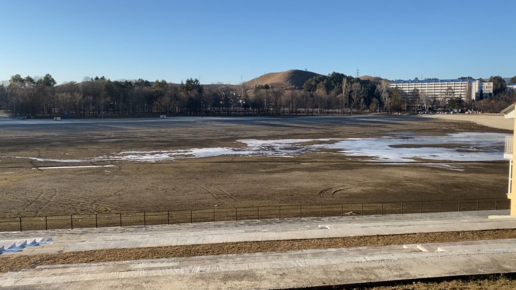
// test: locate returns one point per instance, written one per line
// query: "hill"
(371, 79)
(287, 79)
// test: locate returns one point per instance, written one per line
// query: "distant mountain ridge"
(288, 79)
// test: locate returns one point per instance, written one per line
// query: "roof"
(508, 109)
(432, 81)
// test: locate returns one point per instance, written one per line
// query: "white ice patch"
(73, 167)
(469, 147)
(54, 160)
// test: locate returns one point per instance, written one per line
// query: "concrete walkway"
(278, 270)
(264, 230)
(272, 270)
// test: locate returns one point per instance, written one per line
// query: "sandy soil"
(225, 181)
(494, 121)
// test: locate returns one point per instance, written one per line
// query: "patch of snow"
(388, 149)
(380, 149)
(74, 167)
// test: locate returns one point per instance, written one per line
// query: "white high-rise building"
(467, 89)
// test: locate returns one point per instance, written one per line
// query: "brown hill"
(372, 79)
(287, 79)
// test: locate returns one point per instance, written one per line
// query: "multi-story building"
(487, 88)
(467, 89)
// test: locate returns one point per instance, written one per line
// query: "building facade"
(440, 90)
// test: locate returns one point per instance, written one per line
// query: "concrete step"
(460, 258)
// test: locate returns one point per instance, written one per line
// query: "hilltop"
(287, 79)
(371, 79)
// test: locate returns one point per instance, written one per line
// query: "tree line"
(335, 93)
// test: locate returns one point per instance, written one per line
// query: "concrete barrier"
(57, 118)
(162, 116)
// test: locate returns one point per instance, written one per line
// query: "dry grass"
(482, 282)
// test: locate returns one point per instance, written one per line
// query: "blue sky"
(226, 41)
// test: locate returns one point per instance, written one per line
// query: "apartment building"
(467, 89)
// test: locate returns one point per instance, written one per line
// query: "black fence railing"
(246, 213)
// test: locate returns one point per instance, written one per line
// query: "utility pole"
(241, 87)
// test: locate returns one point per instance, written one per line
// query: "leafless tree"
(357, 96)
(345, 94)
(383, 91)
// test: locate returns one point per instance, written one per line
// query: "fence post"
(96, 221)
(168, 217)
(21, 229)
(71, 222)
(402, 207)
(144, 219)
(477, 204)
(279, 213)
(382, 208)
(320, 211)
(421, 207)
(300, 211)
(362, 210)
(496, 203)
(46, 223)
(120, 217)
(458, 206)
(236, 213)
(440, 203)
(341, 209)
(191, 216)
(258, 212)
(213, 214)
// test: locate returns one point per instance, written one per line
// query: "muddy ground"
(224, 181)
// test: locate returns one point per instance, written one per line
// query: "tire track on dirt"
(46, 203)
(34, 200)
(338, 190)
(226, 193)
(332, 190)
(324, 191)
(211, 193)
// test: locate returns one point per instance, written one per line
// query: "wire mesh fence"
(246, 213)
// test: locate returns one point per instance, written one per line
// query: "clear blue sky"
(224, 41)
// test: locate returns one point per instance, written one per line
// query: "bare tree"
(425, 100)
(346, 88)
(357, 96)
(374, 105)
(383, 91)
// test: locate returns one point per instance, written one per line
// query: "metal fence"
(246, 213)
